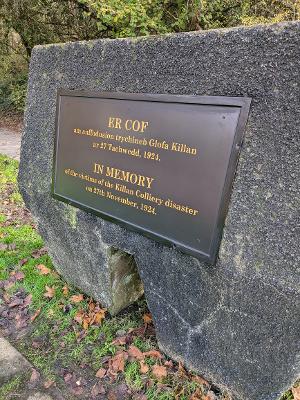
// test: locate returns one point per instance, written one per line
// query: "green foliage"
(119, 18)
(26, 23)
(13, 81)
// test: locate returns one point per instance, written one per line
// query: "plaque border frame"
(243, 103)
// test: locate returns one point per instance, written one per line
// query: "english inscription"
(162, 165)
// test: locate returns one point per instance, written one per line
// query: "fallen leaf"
(11, 246)
(22, 322)
(36, 344)
(43, 269)
(119, 392)
(159, 371)
(65, 290)
(76, 298)
(35, 315)
(117, 363)
(139, 397)
(50, 292)
(296, 392)
(169, 364)
(153, 354)
(79, 316)
(15, 302)
(147, 318)
(99, 316)
(48, 383)
(39, 253)
(200, 380)
(68, 377)
(134, 352)
(210, 396)
(23, 261)
(7, 284)
(143, 367)
(86, 322)
(19, 276)
(92, 306)
(197, 395)
(181, 370)
(35, 375)
(97, 389)
(78, 390)
(27, 301)
(120, 341)
(101, 373)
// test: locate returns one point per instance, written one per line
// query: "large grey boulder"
(236, 322)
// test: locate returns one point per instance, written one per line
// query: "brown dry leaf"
(65, 290)
(6, 297)
(200, 380)
(35, 315)
(181, 370)
(86, 322)
(79, 316)
(153, 354)
(117, 363)
(197, 395)
(120, 341)
(48, 383)
(50, 292)
(169, 364)
(296, 392)
(19, 276)
(27, 301)
(77, 390)
(101, 373)
(147, 318)
(159, 371)
(43, 269)
(134, 352)
(92, 305)
(76, 298)
(15, 302)
(99, 316)
(68, 377)
(35, 375)
(143, 367)
(97, 389)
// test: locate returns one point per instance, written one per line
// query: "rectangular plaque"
(162, 165)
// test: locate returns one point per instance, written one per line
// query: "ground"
(76, 349)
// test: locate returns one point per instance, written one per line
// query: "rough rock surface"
(235, 323)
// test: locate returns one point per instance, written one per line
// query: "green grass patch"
(8, 171)
(132, 376)
(9, 387)
(63, 341)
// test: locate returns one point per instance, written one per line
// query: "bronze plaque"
(162, 165)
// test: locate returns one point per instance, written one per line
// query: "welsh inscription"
(161, 165)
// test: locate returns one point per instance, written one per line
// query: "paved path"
(12, 365)
(10, 143)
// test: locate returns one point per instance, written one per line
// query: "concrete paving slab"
(10, 143)
(12, 363)
(40, 396)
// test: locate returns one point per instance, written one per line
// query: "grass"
(62, 345)
(10, 387)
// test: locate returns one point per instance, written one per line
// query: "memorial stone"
(233, 319)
